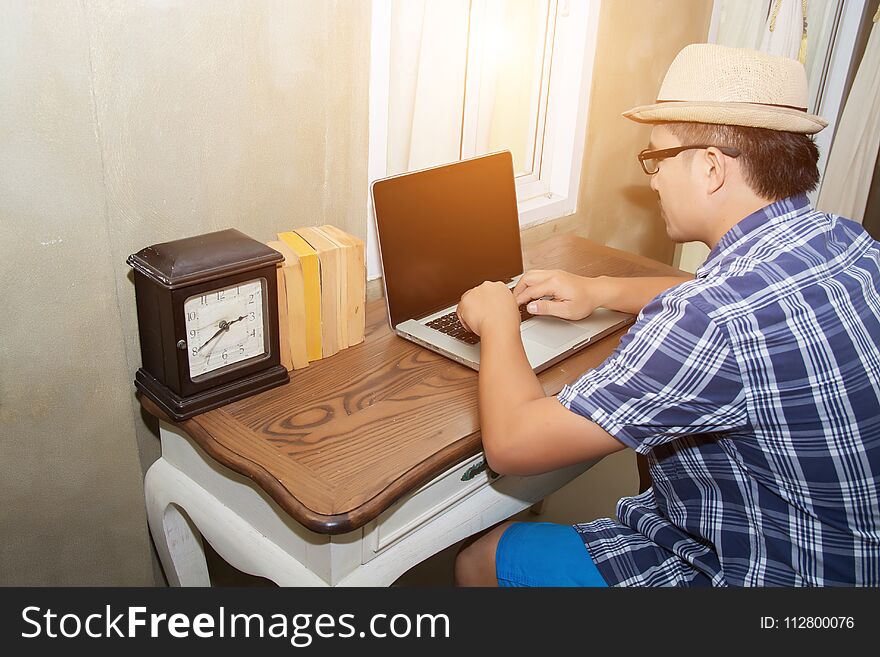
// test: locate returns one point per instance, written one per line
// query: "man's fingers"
(536, 291)
(552, 308)
(531, 277)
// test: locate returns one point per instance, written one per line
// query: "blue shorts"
(544, 554)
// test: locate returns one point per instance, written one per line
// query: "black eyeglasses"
(650, 160)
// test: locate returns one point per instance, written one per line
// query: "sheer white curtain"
(785, 32)
(853, 156)
(509, 85)
(466, 78)
(741, 22)
(426, 86)
(820, 31)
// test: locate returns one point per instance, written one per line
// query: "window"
(453, 79)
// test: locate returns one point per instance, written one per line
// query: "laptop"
(446, 229)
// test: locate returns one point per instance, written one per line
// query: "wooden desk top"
(352, 433)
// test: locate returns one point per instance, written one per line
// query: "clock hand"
(224, 326)
(236, 320)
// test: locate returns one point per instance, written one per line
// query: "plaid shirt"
(754, 392)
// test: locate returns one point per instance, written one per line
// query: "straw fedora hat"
(708, 83)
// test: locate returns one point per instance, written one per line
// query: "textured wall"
(637, 42)
(123, 124)
(70, 497)
(126, 123)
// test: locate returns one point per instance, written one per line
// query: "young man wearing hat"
(753, 389)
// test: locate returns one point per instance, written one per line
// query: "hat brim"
(743, 114)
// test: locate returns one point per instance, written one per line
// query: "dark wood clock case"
(167, 274)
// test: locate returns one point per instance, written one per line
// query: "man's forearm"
(507, 383)
(630, 295)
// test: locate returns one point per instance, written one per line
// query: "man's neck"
(732, 212)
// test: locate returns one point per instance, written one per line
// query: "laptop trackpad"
(552, 332)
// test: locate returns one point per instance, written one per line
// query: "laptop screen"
(445, 230)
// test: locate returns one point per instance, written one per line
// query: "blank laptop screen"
(445, 230)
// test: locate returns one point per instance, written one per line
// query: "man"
(753, 389)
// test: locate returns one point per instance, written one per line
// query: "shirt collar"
(750, 227)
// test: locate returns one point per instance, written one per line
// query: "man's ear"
(715, 166)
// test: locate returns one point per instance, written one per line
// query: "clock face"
(224, 327)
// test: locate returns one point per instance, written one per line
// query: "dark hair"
(775, 164)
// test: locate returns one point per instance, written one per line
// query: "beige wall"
(637, 42)
(123, 124)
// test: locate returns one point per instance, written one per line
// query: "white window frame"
(541, 198)
(536, 182)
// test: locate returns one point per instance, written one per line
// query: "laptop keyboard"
(451, 326)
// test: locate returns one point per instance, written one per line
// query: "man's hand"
(488, 305)
(571, 296)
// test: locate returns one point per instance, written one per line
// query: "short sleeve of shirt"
(673, 374)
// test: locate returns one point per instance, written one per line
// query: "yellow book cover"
(293, 333)
(328, 255)
(311, 271)
(356, 281)
(341, 288)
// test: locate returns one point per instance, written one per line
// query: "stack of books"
(321, 293)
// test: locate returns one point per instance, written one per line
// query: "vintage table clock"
(207, 311)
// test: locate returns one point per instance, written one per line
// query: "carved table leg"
(178, 542)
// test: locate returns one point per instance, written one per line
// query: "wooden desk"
(364, 464)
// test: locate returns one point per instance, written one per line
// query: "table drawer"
(436, 497)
